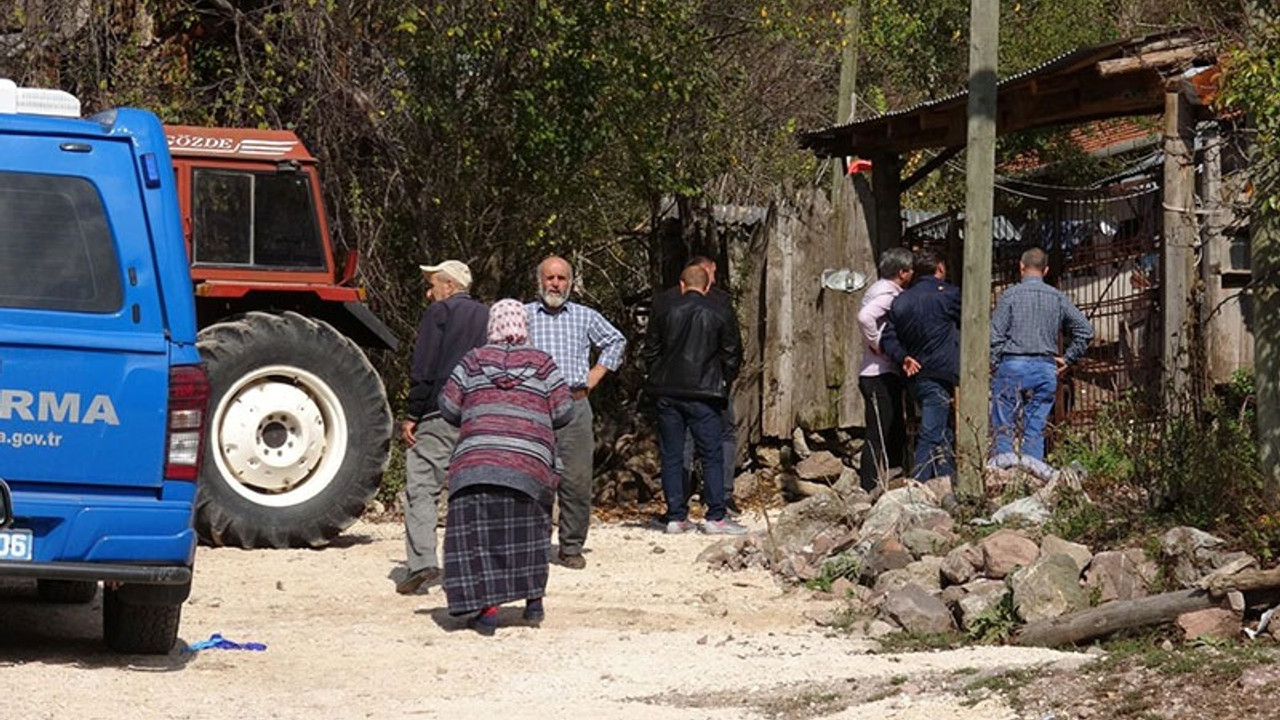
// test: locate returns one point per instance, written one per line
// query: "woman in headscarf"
(508, 397)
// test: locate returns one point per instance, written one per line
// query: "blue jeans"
(1026, 385)
(702, 419)
(730, 453)
(934, 451)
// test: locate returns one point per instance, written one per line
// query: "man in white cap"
(453, 323)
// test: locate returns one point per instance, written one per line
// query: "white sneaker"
(726, 526)
(680, 527)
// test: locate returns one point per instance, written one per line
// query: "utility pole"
(845, 105)
(974, 393)
(1264, 247)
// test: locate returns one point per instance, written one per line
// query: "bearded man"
(570, 333)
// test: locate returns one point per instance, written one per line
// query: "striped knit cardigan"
(507, 400)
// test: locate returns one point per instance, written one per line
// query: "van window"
(56, 245)
(255, 218)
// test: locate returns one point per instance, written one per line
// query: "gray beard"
(554, 301)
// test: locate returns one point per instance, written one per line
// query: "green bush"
(1196, 464)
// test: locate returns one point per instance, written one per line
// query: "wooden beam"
(1158, 59)
(886, 187)
(1113, 616)
(923, 171)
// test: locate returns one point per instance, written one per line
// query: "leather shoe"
(416, 579)
(573, 562)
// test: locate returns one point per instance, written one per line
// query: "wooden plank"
(857, 253)
(746, 273)
(1113, 616)
(776, 408)
(1158, 59)
(811, 241)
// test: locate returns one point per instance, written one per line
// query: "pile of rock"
(897, 556)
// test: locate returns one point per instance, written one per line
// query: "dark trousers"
(885, 444)
(935, 445)
(702, 419)
(730, 455)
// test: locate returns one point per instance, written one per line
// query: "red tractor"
(300, 427)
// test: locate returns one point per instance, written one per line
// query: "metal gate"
(1105, 254)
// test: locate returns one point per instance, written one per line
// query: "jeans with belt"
(1023, 384)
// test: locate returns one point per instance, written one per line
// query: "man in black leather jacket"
(693, 353)
(661, 300)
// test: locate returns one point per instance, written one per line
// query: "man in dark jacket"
(717, 294)
(923, 336)
(451, 325)
(693, 353)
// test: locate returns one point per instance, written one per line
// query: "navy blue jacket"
(924, 323)
(449, 328)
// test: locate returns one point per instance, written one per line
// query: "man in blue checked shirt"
(569, 332)
(1024, 352)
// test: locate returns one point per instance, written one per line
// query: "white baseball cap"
(455, 269)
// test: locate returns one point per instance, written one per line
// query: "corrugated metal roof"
(820, 140)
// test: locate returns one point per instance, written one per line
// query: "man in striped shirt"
(1024, 352)
(569, 332)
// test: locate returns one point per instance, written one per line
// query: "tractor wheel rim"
(277, 432)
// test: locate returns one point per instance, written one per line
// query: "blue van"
(103, 396)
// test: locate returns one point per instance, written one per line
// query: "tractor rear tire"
(299, 432)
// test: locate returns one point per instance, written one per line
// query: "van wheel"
(67, 591)
(136, 628)
(299, 434)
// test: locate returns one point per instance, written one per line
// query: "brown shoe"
(414, 580)
(573, 562)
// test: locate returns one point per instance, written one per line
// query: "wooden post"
(886, 187)
(1264, 242)
(846, 108)
(974, 393)
(1179, 238)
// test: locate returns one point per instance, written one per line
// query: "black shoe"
(573, 562)
(486, 625)
(418, 578)
(534, 612)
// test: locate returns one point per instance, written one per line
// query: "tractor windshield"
(262, 219)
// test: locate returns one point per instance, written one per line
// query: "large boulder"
(1190, 554)
(1052, 544)
(800, 522)
(1214, 622)
(915, 609)
(912, 506)
(921, 542)
(821, 465)
(1121, 574)
(1004, 550)
(977, 598)
(923, 573)
(1047, 588)
(962, 564)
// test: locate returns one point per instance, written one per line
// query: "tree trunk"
(1106, 619)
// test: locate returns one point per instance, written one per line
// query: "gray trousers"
(576, 443)
(426, 464)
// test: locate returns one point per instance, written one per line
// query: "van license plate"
(16, 545)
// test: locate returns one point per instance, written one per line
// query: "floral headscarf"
(508, 323)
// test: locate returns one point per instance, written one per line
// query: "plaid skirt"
(497, 543)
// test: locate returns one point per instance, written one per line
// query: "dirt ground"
(644, 631)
